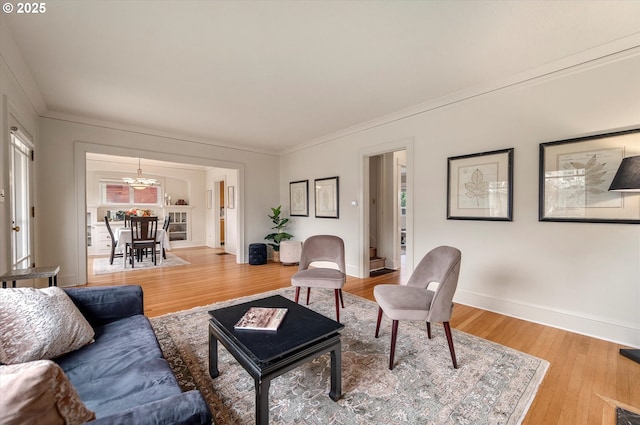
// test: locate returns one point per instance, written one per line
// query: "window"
(146, 196)
(112, 192)
(115, 193)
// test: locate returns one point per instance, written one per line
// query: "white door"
(21, 220)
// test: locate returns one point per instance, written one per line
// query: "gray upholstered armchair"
(321, 248)
(415, 301)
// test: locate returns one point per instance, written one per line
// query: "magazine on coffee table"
(261, 319)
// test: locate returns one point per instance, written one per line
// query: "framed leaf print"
(575, 176)
(299, 198)
(480, 186)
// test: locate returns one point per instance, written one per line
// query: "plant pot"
(275, 256)
(290, 252)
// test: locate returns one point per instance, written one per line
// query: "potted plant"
(278, 235)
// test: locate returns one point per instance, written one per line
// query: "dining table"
(123, 235)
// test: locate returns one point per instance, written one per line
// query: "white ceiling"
(269, 75)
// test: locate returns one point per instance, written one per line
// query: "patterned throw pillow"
(39, 393)
(37, 324)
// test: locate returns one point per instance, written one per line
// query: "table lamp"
(627, 179)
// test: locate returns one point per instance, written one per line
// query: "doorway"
(220, 207)
(386, 222)
(192, 180)
(21, 200)
(387, 212)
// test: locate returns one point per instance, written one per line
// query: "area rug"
(493, 385)
(102, 266)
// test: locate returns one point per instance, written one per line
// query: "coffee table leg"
(213, 356)
(262, 401)
(336, 373)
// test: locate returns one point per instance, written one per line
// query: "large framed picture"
(327, 197)
(299, 198)
(480, 186)
(575, 176)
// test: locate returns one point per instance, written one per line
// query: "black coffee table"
(302, 336)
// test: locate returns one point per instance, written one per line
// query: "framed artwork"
(231, 197)
(299, 198)
(575, 176)
(480, 186)
(327, 197)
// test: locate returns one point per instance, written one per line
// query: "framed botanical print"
(327, 197)
(575, 176)
(299, 198)
(480, 186)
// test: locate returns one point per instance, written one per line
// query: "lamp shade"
(627, 179)
(139, 183)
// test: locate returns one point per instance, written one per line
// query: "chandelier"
(139, 182)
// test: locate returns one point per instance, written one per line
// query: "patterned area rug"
(102, 266)
(494, 384)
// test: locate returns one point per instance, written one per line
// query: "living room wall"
(584, 277)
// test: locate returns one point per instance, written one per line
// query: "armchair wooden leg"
(429, 330)
(308, 293)
(447, 330)
(379, 320)
(394, 336)
(297, 293)
(341, 298)
(337, 296)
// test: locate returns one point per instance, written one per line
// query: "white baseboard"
(593, 326)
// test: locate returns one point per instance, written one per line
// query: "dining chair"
(418, 301)
(143, 236)
(321, 248)
(114, 241)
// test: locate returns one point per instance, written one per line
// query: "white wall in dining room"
(584, 277)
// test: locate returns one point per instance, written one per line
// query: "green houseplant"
(278, 235)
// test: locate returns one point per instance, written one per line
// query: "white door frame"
(21, 225)
(217, 206)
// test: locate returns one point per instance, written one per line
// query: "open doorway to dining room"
(182, 191)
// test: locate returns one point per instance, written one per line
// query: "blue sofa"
(122, 376)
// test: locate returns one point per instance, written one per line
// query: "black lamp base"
(630, 353)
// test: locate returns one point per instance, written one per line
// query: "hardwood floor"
(584, 374)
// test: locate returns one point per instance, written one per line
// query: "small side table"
(50, 272)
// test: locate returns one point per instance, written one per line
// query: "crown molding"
(82, 120)
(595, 57)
